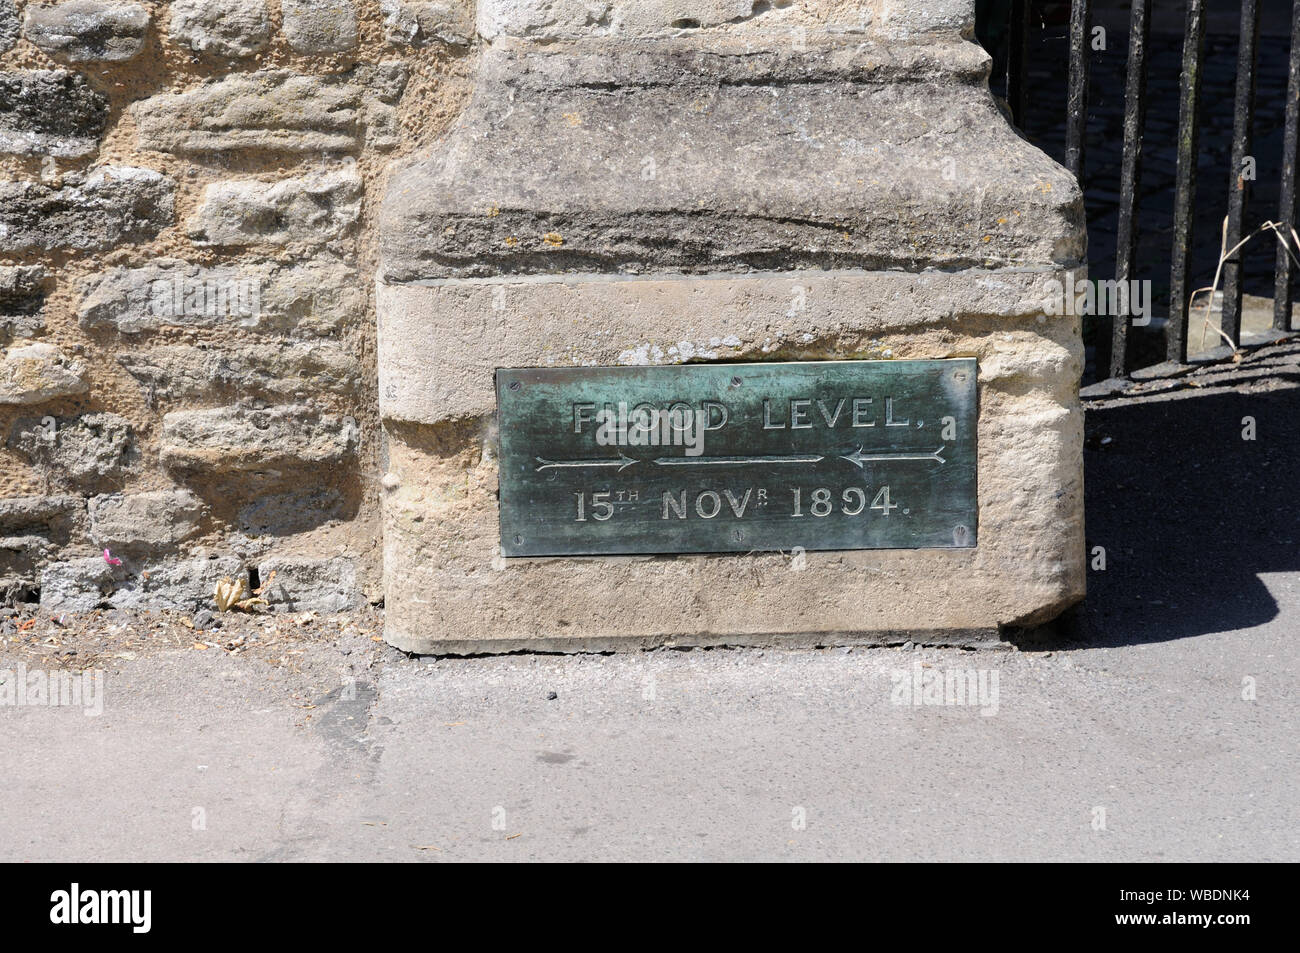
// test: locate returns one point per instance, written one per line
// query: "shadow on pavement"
(1190, 513)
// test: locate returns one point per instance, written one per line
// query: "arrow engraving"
(859, 459)
(623, 462)
(731, 461)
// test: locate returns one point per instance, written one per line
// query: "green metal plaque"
(726, 458)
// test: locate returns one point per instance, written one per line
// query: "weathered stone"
(81, 585)
(934, 16)
(307, 585)
(173, 293)
(186, 586)
(551, 20)
(22, 301)
(77, 585)
(567, 19)
(37, 373)
(50, 112)
(696, 157)
(8, 25)
(413, 23)
(320, 26)
(144, 523)
(459, 328)
(242, 439)
(23, 514)
(386, 80)
(315, 299)
(281, 370)
(33, 530)
(82, 31)
(85, 451)
(447, 589)
(315, 208)
(275, 110)
(112, 206)
(845, 191)
(228, 28)
(294, 511)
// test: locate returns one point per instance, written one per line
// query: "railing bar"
(1018, 60)
(1283, 295)
(1076, 128)
(1243, 117)
(1130, 175)
(1189, 85)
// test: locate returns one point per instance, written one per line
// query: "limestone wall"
(190, 246)
(186, 274)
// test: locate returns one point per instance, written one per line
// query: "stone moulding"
(714, 195)
(849, 153)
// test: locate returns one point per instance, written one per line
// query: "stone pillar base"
(449, 591)
(686, 181)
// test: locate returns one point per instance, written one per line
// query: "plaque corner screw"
(514, 385)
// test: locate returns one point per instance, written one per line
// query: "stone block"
(315, 208)
(9, 25)
(274, 110)
(278, 370)
(82, 585)
(85, 452)
(32, 531)
(233, 29)
(414, 23)
(57, 514)
(144, 523)
(240, 439)
(113, 205)
(22, 301)
(311, 299)
(304, 585)
(681, 175)
(315, 27)
(39, 373)
(87, 31)
(50, 112)
(559, 20)
(77, 585)
(449, 590)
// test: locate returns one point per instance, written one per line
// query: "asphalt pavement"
(1159, 723)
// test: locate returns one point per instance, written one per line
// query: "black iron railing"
(1014, 42)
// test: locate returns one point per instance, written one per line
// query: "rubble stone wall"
(187, 331)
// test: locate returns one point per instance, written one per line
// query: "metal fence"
(1011, 40)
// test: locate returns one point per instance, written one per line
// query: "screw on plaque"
(519, 540)
(736, 382)
(959, 535)
(514, 385)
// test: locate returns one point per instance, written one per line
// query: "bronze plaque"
(727, 458)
